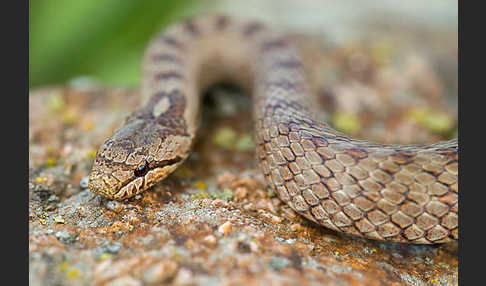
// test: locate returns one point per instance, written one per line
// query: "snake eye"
(141, 169)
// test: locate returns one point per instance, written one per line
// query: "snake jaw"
(99, 183)
(142, 183)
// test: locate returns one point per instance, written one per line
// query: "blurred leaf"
(104, 39)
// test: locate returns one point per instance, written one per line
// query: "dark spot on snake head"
(191, 27)
(168, 75)
(221, 22)
(274, 44)
(172, 42)
(141, 169)
(252, 28)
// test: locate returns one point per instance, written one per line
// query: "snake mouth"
(156, 170)
(165, 163)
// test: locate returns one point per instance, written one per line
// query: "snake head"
(138, 155)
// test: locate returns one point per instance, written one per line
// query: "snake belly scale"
(403, 193)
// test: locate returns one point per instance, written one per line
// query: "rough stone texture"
(213, 222)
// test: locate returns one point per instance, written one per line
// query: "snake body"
(403, 193)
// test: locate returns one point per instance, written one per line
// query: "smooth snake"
(403, 193)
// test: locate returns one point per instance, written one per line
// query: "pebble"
(189, 220)
(278, 263)
(210, 240)
(113, 247)
(225, 228)
(225, 178)
(84, 182)
(64, 236)
(296, 227)
(160, 272)
(241, 193)
(276, 219)
(184, 277)
(259, 234)
(125, 281)
(53, 198)
(249, 206)
(218, 203)
(112, 205)
(262, 204)
(429, 261)
(253, 246)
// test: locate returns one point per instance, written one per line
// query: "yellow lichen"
(73, 274)
(346, 122)
(270, 193)
(70, 116)
(59, 219)
(245, 143)
(63, 266)
(51, 162)
(91, 154)
(201, 185)
(199, 196)
(87, 125)
(56, 102)
(443, 265)
(225, 137)
(105, 256)
(382, 51)
(184, 172)
(224, 195)
(434, 121)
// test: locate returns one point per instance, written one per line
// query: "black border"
(471, 143)
(14, 20)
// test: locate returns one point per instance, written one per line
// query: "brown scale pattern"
(404, 193)
(407, 197)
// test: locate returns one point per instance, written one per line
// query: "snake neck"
(190, 57)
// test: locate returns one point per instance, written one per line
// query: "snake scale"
(402, 193)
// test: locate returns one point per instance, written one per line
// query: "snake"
(387, 192)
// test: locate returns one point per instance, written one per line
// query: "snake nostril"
(141, 169)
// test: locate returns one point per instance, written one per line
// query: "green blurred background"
(104, 39)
